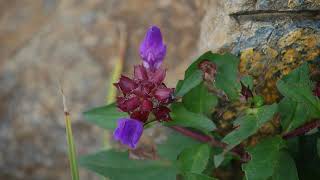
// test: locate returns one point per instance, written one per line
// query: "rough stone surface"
(76, 42)
(271, 37)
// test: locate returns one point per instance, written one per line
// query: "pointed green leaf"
(227, 72)
(293, 114)
(105, 116)
(189, 83)
(200, 100)
(227, 75)
(117, 165)
(298, 87)
(182, 117)
(194, 66)
(174, 144)
(264, 157)
(247, 81)
(285, 168)
(249, 124)
(218, 159)
(194, 159)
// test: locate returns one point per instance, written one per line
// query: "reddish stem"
(199, 137)
(212, 141)
(302, 130)
(239, 152)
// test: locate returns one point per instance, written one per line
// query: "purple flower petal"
(152, 49)
(128, 132)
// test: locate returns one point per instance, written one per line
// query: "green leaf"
(227, 72)
(179, 85)
(118, 166)
(194, 176)
(188, 83)
(200, 100)
(194, 159)
(249, 124)
(218, 159)
(247, 81)
(227, 75)
(182, 117)
(293, 114)
(174, 144)
(298, 87)
(105, 116)
(285, 168)
(264, 157)
(194, 66)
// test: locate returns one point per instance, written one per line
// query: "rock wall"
(272, 37)
(76, 41)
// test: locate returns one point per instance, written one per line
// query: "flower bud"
(152, 49)
(209, 70)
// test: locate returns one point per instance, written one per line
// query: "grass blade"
(72, 155)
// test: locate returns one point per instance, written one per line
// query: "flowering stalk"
(145, 93)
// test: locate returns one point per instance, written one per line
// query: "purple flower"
(128, 132)
(152, 49)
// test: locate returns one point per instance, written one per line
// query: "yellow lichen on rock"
(267, 65)
(290, 56)
(290, 38)
(250, 62)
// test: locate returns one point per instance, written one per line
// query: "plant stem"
(199, 137)
(236, 151)
(302, 130)
(210, 140)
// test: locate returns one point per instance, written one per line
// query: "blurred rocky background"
(75, 42)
